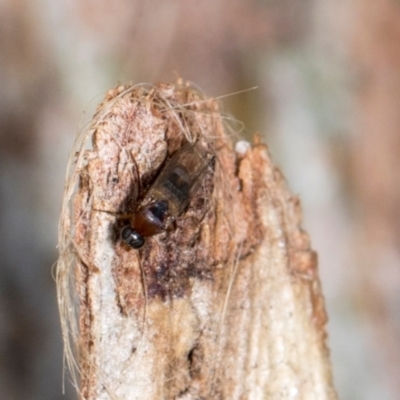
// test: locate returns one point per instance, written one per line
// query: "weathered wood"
(226, 304)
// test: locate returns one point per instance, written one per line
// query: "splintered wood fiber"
(225, 302)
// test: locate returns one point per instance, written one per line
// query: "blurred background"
(327, 103)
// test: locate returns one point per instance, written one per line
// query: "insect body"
(169, 195)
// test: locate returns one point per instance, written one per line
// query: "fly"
(169, 195)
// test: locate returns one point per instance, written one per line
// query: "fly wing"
(180, 178)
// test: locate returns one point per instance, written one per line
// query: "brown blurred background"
(328, 104)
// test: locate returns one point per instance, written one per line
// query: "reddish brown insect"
(169, 195)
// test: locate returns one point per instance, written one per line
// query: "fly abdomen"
(178, 184)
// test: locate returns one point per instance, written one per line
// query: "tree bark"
(224, 304)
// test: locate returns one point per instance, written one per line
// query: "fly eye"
(132, 238)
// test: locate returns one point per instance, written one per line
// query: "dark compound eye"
(132, 238)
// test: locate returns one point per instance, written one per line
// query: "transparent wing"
(180, 178)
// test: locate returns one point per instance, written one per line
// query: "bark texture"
(226, 304)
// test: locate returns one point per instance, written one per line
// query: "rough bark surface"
(226, 304)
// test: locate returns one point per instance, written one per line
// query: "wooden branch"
(224, 304)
